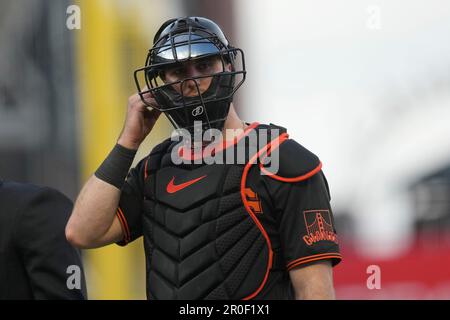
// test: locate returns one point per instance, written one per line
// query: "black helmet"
(191, 39)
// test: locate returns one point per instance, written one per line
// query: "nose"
(191, 71)
(192, 87)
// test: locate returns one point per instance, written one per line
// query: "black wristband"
(114, 169)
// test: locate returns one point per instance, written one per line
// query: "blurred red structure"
(423, 272)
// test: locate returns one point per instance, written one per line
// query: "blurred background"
(363, 84)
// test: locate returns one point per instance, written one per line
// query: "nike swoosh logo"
(172, 188)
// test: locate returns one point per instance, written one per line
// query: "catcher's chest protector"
(201, 240)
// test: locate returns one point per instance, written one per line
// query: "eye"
(205, 66)
(202, 66)
(177, 72)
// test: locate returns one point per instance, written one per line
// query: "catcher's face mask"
(192, 72)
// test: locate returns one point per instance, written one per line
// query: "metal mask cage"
(181, 46)
(147, 79)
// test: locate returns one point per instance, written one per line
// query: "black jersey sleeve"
(302, 198)
(129, 211)
(306, 225)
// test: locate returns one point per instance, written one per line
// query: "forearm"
(93, 213)
(92, 223)
(313, 282)
(315, 292)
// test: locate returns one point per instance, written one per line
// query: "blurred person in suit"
(36, 260)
